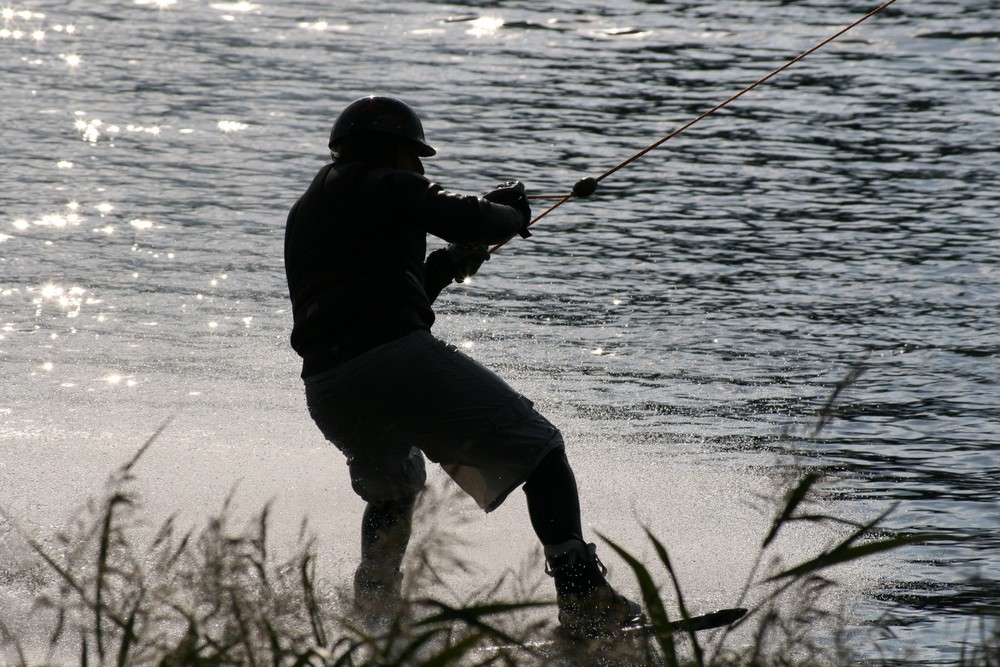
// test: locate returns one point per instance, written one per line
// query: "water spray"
(588, 185)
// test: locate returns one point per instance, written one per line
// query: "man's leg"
(588, 606)
(385, 533)
(386, 472)
(554, 501)
(389, 483)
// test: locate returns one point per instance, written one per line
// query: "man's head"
(380, 130)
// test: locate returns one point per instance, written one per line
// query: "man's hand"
(466, 258)
(512, 194)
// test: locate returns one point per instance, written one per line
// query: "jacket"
(355, 245)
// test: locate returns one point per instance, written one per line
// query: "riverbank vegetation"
(218, 596)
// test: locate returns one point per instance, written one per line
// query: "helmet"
(379, 116)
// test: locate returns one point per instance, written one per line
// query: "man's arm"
(456, 262)
(453, 217)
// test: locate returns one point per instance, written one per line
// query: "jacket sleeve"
(470, 219)
(438, 273)
(454, 217)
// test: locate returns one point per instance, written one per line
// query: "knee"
(386, 480)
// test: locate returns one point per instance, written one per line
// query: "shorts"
(418, 395)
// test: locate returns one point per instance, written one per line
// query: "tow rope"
(587, 185)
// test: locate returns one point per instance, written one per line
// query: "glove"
(466, 258)
(511, 193)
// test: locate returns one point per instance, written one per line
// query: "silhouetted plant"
(217, 597)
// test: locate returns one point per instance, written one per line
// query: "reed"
(219, 596)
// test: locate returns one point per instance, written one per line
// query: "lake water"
(677, 325)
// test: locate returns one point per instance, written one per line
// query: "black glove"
(512, 194)
(466, 258)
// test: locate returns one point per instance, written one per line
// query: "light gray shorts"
(419, 394)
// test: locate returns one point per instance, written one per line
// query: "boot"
(588, 606)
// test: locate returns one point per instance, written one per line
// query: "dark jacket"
(355, 243)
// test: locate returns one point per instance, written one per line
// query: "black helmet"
(376, 115)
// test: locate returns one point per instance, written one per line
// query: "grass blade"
(128, 637)
(452, 654)
(472, 616)
(307, 570)
(125, 469)
(844, 553)
(661, 552)
(658, 618)
(826, 412)
(107, 528)
(792, 502)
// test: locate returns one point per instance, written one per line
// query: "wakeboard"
(622, 647)
(710, 621)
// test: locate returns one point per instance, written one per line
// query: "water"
(704, 302)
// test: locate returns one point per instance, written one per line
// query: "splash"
(229, 126)
(485, 26)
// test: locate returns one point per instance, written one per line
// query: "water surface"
(700, 306)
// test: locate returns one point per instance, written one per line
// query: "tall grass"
(219, 596)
